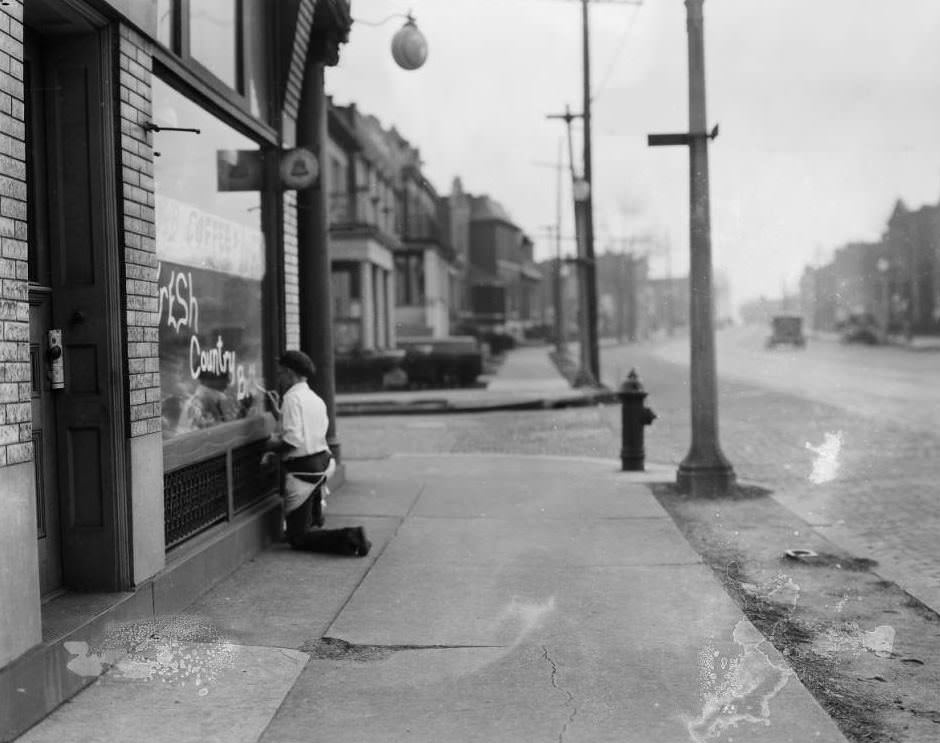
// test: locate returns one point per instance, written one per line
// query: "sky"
(829, 112)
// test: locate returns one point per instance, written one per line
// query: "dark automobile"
(860, 328)
(435, 362)
(360, 371)
(787, 329)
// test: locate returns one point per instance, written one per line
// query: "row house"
(426, 266)
(154, 262)
(895, 280)
(364, 232)
(391, 262)
(498, 278)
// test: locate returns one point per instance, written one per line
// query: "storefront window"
(212, 263)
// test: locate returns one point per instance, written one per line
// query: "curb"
(434, 407)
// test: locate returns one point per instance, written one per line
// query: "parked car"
(436, 362)
(786, 329)
(361, 371)
(860, 327)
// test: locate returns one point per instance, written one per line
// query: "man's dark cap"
(298, 362)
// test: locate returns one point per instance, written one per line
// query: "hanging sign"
(239, 170)
(299, 168)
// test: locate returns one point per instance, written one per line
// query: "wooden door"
(45, 454)
(84, 278)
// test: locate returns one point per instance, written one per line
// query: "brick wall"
(291, 284)
(140, 259)
(15, 388)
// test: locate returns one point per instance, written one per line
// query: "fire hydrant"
(634, 416)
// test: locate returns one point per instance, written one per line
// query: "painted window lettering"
(178, 292)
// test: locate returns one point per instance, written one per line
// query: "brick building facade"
(153, 265)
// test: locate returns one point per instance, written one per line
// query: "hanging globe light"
(409, 47)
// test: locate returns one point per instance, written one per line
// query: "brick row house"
(895, 280)
(497, 285)
(154, 261)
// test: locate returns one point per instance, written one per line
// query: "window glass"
(409, 279)
(166, 22)
(257, 60)
(211, 251)
(213, 36)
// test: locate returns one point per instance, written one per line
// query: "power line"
(620, 46)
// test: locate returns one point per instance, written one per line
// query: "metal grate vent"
(194, 498)
(249, 483)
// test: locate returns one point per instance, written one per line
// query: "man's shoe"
(359, 544)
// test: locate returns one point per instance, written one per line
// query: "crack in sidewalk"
(333, 648)
(568, 694)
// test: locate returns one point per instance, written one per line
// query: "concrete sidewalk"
(527, 379)
(507, 598)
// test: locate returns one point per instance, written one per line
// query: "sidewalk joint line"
(375, 560)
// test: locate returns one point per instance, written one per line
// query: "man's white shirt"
(304, 421)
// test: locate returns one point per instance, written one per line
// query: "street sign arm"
(666, 140)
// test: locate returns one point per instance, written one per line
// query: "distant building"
(896, 280)
(364, 225)
(667, 304)
(623, 296)
(426, 264)
(760, 311)
(497, 279)
(392, 263)
(911, 252)
(454, 213)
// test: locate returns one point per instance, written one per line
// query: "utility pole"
(590, 266)
(560, 340)
(588, 322)
(558, 295)
(580, 261)
(705, 471)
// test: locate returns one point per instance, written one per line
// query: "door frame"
(118, 442)
(112, 568)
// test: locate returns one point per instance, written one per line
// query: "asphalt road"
(884, 382)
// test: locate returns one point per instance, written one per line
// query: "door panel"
(45, 457)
